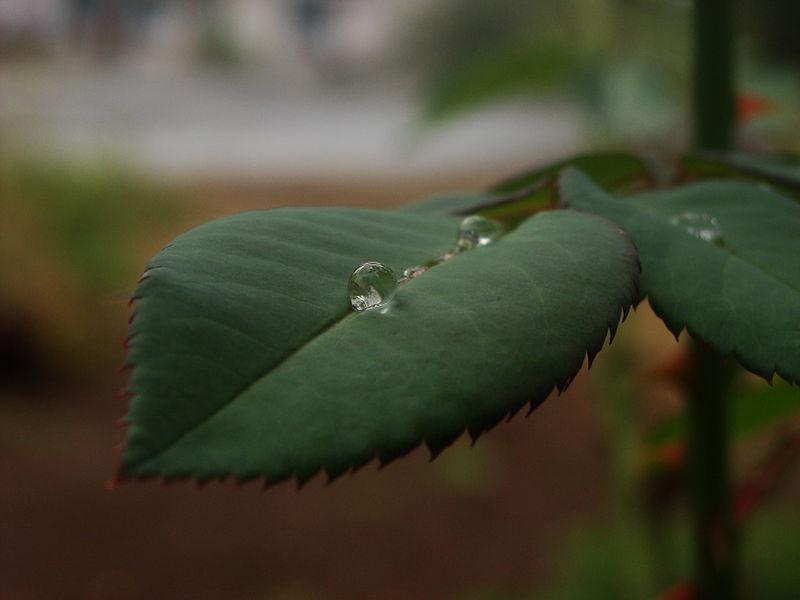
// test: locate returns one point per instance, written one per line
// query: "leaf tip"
(434, 451)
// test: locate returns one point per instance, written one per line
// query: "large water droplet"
(372, 285)
(412, 272)
(700, 225)
(477, 231)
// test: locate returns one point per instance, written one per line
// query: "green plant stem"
(713, 75)
(708, 448)
(709, 474)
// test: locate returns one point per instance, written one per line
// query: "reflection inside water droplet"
(372, 285)
(476, 231)
(700, 225)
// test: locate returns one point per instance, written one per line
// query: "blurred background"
(125, 122)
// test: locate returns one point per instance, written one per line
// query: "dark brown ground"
(407, 530)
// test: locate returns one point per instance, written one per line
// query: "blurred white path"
(206, 125)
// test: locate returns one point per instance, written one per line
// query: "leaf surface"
(782, 173)
(610, 170)
(516, 198)
(741, 297)
(250, 362)
(447, 204)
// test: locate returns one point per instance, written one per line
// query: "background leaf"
(783, 173)
(249, 360)
(741, 297)
(610, 170)
(516, 198)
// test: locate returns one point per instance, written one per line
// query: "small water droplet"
(700, 225)
(412, 272)
(372, 285)
(476, 231)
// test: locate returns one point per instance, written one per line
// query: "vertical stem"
(713, 103)
(709, 475)
(708, 448)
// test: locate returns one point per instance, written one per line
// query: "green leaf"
(783, 173)
(753, 410)
(612, 171)
(447, 204)
(249, 361)
(517, 198)
(741, 297)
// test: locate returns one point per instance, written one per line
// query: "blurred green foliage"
(752, 410)
(468, 469)
(481, 79)
(474, 51)
(217, 48)
(89, 214)
(73, 239)
(625, 62)
(624, 58)
(600, 562)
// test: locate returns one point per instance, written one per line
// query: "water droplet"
(412, 272)
(700, 225)
(476, 231)
(372, 285)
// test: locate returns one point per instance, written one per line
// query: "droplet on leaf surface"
(700, 225)
(476, 231)
(372, 285)
(412, 272)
